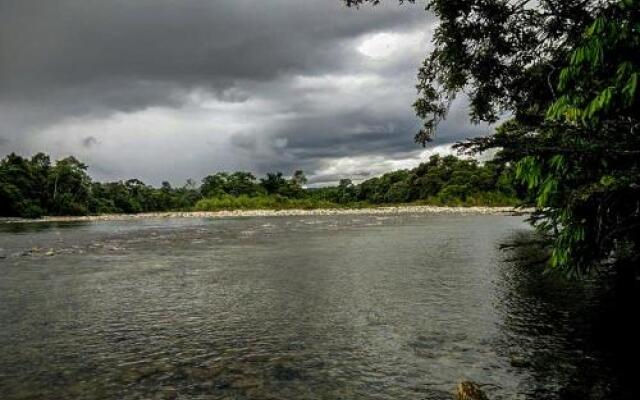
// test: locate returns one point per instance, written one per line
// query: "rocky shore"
(396, 210)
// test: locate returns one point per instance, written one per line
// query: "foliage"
(277, 184)
(31, 187)
(134, 196)
(440, 181)
(34, 187)
(21, 184)
(69, 185)
(235, 184)
(270, 202)
(589, 188)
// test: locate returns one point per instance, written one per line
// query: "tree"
(346, 191)
(235, 184)
(273, 182)
(187, 195)
(23, 185)
(299, 178)
(167, 201)
(214, 185)
(587, 184)
(70, 187)
(242, 183)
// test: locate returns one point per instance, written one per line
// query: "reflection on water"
(288, 308)
(565, 334)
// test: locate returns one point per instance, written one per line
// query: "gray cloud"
(177, 89)
(69, 43)
(89, 141)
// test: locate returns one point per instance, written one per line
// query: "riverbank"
(395, 210)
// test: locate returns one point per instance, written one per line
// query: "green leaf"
(565, 76)
(596, 27)
(622, 72)
(548, 187)
(557, 162)
(629, 90)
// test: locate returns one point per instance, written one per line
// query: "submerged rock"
(166, 393)
(467, 390)
(519, 362)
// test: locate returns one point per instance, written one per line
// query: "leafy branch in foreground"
(589, 193)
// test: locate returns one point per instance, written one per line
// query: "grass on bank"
(274, 202)
(484, 199)
(228, 203)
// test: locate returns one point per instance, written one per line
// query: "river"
(332, 307)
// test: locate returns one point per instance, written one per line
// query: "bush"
(275, 202)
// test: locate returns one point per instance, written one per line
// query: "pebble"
(292, 212)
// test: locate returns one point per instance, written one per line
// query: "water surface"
(337, 307)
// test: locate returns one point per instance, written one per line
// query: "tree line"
(447, 180)
(36, 186)
(32, 187)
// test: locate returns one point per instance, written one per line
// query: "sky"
(177, 89)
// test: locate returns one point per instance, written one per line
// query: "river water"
(336, 307)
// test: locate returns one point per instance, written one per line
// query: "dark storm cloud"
(173, 89)
(317, 137)
(49, 45)
(89, 141)
(365, 132)
(376, 131)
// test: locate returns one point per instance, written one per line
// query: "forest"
(36, 186)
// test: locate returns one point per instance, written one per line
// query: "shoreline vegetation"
(38, 187)
(282, 212)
